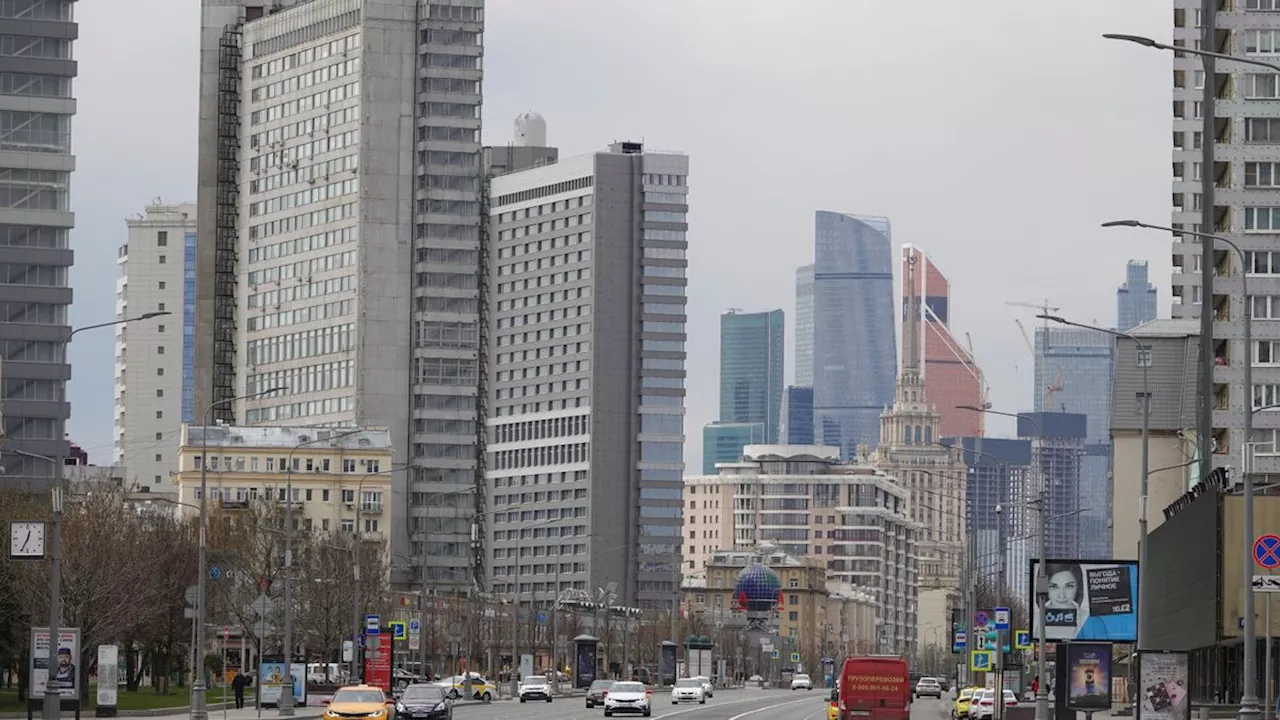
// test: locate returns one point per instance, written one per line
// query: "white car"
(707, 687)
(801, 681)
(981, 706)
(688, 690)
(627, 697)
(535, 687)
(928, 687)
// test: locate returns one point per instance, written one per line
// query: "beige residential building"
(340, 478)
(852, 520)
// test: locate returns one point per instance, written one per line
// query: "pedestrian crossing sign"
(981, 660)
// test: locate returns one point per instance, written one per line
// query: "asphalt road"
(726, 705)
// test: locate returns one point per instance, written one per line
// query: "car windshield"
(689, 682)
(535, 680)
(422, 693)
(626, 687)
(358, 696)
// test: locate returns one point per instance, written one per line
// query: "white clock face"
(26, 539)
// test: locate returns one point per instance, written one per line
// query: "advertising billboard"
(64, 674)
(1088, 601)
(1162, 678)
(1089, 676)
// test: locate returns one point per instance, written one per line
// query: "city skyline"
(113, 183)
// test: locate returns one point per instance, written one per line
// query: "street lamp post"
(1042, 583)
(1144, 362)
(52, 705)
(1249, 706)
(198, 688)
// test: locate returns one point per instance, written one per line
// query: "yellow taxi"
(961, 707)
(364, 701)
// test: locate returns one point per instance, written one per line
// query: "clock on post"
(26, 540)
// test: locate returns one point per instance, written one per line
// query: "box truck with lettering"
(874, 688)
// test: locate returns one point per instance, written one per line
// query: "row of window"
(297, 316)
(308, 126)
(310, 408)
(314, 101)
(315, 218)
(309, 174)
(302, 81)
(286, 248)
(305, 57)
(302, 269)
(304, 291)
(304, 344)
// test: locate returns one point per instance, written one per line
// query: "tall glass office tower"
(751, 364)
(854, 341)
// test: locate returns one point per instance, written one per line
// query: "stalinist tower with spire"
(909, 449)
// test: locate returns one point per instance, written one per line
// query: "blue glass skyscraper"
(855, 354)
(751, 369)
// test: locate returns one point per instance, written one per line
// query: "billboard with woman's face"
(1093, 600)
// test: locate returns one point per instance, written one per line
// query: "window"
(1261, 86)
(1266, 352)
(1262, 174)
(1262, 130)
(1266, 307)
(162, 238)
(1262, 219)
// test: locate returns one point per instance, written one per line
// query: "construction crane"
(1056, 385)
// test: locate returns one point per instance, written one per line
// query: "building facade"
(35, 225)
(751, 369)
(803, 375)
(723, 442)
(1135, 298)
(951, 374)
(325, 226)
(338, 478)
(1074, 373)
(853, 519)
(1167, 369)
(586, 447)
(854, 353)
(910, 450)
(156, 273)
(1245, 209)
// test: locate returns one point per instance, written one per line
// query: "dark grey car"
(595, 693)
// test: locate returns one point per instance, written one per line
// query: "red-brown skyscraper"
(951, 376)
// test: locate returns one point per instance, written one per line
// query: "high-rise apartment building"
(950, 372)
(854, 345)
(909, 450)
(804, 326)
(340, 236)
(751, 369)
(587, 303)
(1074, 373)
(1135, 298)
(853, 517)
(35, 222)
(155, 360)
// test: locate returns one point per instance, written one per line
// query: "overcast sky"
(995, 134)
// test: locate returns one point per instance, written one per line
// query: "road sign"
(215, 573)
(775, 654)
(1266, 551)
(414, 627)
(795, 657)
(981, 660)
(980, 619)
(1002, 618)
(1266, 583)
(398, 630)
(372, 624)
(1023, 640)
